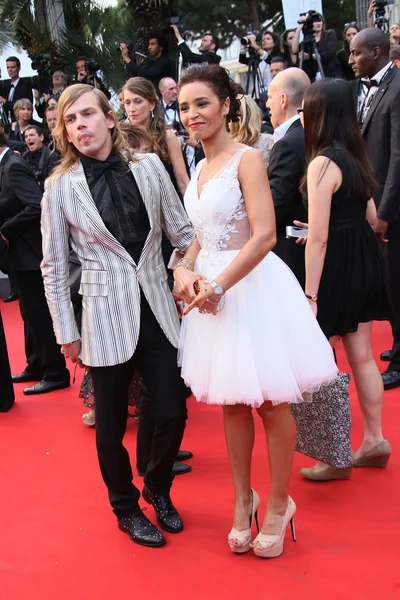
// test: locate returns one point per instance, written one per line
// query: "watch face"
(218, 289)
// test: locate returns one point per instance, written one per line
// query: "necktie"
(103, 167)
(11, 92)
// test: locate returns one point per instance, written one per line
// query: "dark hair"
(284, 43)
(277, 41)
(14, 59)
(345, 30)
(218, 79)
(279, 58)
(329, 119)
(215, 40)
(36, 128)
(157, 35)
(85, 58)
(3, 136)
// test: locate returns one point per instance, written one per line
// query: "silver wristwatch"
(218, 289)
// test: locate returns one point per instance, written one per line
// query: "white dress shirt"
(282, 130)
(12, 89)
(377, 80)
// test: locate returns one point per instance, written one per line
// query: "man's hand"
(82, 75)
(2, 99)
(125, 52)
(183, 287)
(177, 33)
(72, 351)
(36, 95)
(380, 229)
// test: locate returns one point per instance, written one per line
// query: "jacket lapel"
(82, 194)
(378, 97)
(146, 193)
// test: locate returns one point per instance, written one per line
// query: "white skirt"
(265, 344)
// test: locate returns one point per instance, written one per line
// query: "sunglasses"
(352, 24)
(300, 111)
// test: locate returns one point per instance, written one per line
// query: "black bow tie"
(371, 84)
(101, 167)
(171, 106)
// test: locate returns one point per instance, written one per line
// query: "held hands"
(205, 303)
(380, 229)
(72, 351)
(183, 287)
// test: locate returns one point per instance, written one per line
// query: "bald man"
(288, 162)
(169, 94)
(380, 127)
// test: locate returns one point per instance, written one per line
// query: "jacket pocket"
(94, 283)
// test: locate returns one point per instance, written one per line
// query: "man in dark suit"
(15, 88)
(380, 127)
(157, 65)
(40, 158)
(288, 163)
(208, 49)
(20, 199)
(6, 387)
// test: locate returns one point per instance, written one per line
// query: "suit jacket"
(154, 69)
(20, 198)
(23, 90)
(111, 280)
(286, 168)
(381, 133)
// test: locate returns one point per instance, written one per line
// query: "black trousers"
(156, 359)
(6, 386)
(392, 260)
(43, 354)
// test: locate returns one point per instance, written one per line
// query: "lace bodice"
(219, 215)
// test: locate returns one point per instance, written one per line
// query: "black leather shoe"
(180, 468)
(167, 516)
(11, 298)
(184, 455)
(141, 530)
(25, 377)
(386, 355)
(43, 387)
(391, 379)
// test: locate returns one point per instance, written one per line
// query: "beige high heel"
(89, 418)
(376, 457)
(271, 546)
(239, 541)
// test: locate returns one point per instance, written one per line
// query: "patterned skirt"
(135, 388)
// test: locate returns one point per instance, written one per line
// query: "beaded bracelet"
(187, 263)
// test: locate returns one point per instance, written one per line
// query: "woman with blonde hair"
(248, 129)
(143, 108)
(23, 110)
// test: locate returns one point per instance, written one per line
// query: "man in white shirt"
(169, 93)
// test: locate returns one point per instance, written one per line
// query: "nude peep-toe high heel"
(271, 546)
(239, 541)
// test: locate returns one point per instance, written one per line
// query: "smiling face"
(137, 108)
(201, 111)
(88, 128)
(33, 140)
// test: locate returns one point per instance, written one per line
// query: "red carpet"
(59, 540)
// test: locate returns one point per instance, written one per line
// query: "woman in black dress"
(350, 31)
(344, 272)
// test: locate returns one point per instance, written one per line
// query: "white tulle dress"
(266, 343)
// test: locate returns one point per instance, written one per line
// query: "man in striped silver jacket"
(111, 207)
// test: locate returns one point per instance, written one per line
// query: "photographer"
(157, 65)
(270, 48)
(208, 48)
(86, 69)
(326, 42)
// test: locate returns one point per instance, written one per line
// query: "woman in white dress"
(249, 338)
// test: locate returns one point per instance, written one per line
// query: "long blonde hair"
(157, 127)
(247, 130)
(70, 155)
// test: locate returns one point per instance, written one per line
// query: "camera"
(381, 21)
(131, 48)
(245, 40)
(308, 24)
(41, 61)
(380, 6)
(42, 64)
(91, 66)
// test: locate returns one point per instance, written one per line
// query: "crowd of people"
(205, 241)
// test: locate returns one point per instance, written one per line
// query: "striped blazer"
(110, 278)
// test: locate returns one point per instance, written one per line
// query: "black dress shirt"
(119, 202)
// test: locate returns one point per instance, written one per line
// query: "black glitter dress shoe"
(167, 516)
(184, 455)
(43, 387)
(386, 355)
(391, 379)
(180, 468)
(141, 530)
(25, 377)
